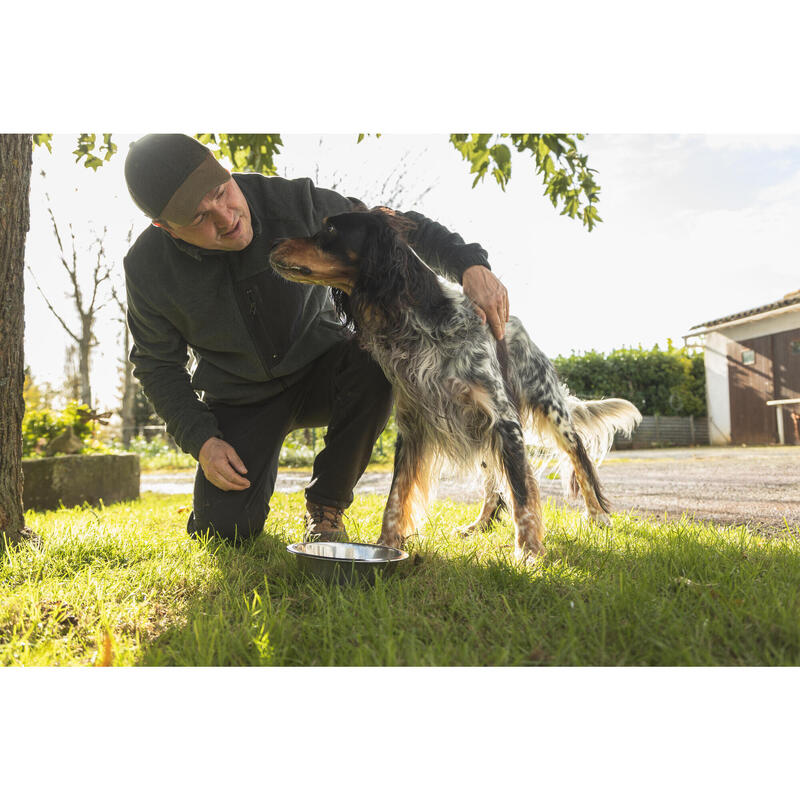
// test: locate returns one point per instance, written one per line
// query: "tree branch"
(50, 306)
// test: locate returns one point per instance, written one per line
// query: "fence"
(658, 431)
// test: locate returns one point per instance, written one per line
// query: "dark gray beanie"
(168, 174)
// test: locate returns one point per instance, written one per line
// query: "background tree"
(87, 304)
(15, 177)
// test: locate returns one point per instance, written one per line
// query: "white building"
(752, 359)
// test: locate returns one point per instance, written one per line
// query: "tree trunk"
(15, 182)
(128, 395)
(83, 361)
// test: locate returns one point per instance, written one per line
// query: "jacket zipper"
(253, 309)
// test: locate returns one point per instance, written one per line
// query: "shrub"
(668, 382)
(41, 426)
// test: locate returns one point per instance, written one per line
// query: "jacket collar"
(199, 253)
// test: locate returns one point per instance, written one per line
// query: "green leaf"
(45, 139)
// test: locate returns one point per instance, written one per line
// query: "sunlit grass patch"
(127, 585)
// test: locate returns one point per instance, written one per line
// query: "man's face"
(222, 221)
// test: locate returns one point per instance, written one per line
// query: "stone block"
(74, 480)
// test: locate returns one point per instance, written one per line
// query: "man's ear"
(163, 227)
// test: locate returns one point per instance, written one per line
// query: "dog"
(461, 396)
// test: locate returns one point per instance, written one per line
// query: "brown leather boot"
(324, 524)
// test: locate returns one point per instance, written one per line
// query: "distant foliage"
(667, 382)
(41, 426)
(157, 452)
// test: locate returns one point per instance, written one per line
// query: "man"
(271, 355)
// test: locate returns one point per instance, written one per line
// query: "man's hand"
(222, 466)
(489, 296)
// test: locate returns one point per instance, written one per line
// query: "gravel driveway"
(759, 486)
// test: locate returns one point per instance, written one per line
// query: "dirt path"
(759, 486)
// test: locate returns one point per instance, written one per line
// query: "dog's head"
(361, 253)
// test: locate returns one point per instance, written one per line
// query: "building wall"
(717, 392)
(716, 364)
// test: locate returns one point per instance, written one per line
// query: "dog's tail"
(597, 422)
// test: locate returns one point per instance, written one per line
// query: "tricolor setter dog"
(461, 396)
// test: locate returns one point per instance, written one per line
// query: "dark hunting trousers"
(345, 390)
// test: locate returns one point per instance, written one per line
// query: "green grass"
(126, 583)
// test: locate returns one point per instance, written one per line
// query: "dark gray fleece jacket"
(253, 333)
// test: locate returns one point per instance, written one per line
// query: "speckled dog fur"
(461, 396)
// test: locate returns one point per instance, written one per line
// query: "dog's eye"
(329, 228)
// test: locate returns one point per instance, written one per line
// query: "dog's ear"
(396, 220)
(383, 268)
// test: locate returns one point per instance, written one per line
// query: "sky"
(694, 227)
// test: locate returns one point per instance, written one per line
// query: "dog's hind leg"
(584, 475)
(408, 495)
(493, 505)
(526, 502)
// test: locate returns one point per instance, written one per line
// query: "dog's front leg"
(527, 506)
(493, 504)
(398, 516)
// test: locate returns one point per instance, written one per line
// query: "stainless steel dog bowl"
(346, 562)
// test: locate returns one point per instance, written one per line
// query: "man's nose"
(223, 217)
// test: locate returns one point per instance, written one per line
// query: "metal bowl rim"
(401, 555)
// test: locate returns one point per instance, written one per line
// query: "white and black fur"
(461, 396)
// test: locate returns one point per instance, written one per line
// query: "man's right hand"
(222, 466)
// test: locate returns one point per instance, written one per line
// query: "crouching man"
(271, 356)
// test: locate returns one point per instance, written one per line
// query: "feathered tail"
(597, 422)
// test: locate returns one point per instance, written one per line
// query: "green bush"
(41, 426)
(668, 382)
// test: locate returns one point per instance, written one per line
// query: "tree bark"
(15, 182)
(83, 361)
(128, 394)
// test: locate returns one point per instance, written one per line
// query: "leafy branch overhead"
(567, 178)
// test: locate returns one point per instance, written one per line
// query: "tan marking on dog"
(482, 522)
(325, 268)
(528, 522)
(406, 503)
(480, 397)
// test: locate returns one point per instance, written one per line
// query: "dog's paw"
(391, 541)
(530, 554)
(468, 530)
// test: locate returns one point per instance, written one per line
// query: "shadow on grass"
(640, 594)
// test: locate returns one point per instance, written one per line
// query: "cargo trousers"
(345, 390)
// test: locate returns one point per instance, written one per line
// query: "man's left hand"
(489, 296)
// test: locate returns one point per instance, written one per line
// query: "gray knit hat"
(168, 174)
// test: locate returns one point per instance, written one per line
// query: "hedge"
(668, 382)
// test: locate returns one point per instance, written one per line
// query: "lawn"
(125, 585)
